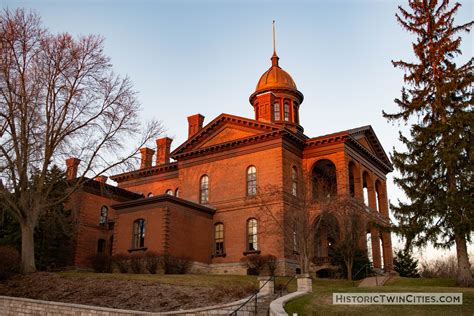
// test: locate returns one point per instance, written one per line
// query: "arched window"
(169, 192)
(104, 213)
(101, 246)
(276, 111)
(149, 194)
(219, 239)
(252, 244)
(294, 181)
(251, 181)
(295, 112)
(204, 190)
(138, 233)
(378, 197)
(286, 111)
(176, 192)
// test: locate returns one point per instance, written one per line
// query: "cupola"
(276, 98)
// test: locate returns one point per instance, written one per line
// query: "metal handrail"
(234, 313)
(366, 267)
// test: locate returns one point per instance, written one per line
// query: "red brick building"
(199, 200)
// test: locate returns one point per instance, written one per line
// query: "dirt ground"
(143, 295)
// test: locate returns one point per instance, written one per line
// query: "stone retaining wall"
(13, 306)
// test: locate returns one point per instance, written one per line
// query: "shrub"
(406, 265)
(9, 262)
(136, 262)
(152, 261)
(440, 268)
(101, 263)
(121, 262)
(177, 265)
(255, 263)
(271, 262)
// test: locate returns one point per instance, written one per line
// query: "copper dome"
(275, 78)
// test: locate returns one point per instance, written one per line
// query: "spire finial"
(274, 57)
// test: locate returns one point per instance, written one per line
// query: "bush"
(406, 265)
(152, 261)
(101, 263)
(177, 265)
(121, 262)
(271, 262)
(440, 268)
(136, 262)
(255, 263)
(9, 262)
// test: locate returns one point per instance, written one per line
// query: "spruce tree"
(436, 170)
(405, 264)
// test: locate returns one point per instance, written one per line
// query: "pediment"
(224, 129)
(366, 137)
(366, 143)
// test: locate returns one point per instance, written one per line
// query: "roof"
(164, 198)
(104, 189)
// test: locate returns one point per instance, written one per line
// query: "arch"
(138, 233)
(252, 231)
(176, 192)
(150, 194)
(366, 187)
(204, 189)
(251, 181)
(104, 215)
(324, 179)
(354, 180)
(378, 195)
(219, 239)
(326, 234)
(294, 181)
(169, 192)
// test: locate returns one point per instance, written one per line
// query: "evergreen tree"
(436, 169)
(405, 264)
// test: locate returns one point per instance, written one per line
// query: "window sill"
(222, 255)
(252, 252)
(137, 249)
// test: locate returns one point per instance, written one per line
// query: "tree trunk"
(27, 248)
(349, 270)
(464, 275)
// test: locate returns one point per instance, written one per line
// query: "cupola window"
(286, 111)
(276, 111)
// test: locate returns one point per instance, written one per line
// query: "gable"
(224, 129)
(225, 134)
(366, 143)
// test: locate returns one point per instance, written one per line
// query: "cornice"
(146, 172)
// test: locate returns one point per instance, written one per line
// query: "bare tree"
(310, 213)
(58, 98)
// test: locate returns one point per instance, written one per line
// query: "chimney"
(71, 168)
(194, 124)
(163, 146)
(102, 179)
(147, 157)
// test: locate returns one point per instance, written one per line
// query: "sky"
(188, 57)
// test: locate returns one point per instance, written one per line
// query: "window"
(294, 181)
(276, 111)
(204, 196)
(101, 246)
(139, 233)
(149, 194)
(252, 235)
(219, 239)
(295, 112)
(169, 192)
(286, 111)
(104, 212)
(176, 192)
(251, 181)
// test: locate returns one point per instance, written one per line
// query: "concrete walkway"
(374, 281)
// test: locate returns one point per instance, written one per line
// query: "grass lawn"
(320, 301)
